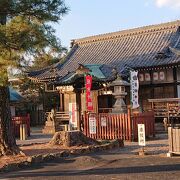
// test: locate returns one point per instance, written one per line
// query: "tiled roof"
(140, 47)
(100, 73)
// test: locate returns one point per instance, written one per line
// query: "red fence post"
(129, 124)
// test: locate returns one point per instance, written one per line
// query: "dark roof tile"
(135, 47)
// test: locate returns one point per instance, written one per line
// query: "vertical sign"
(103, 121)
(161, 75)
(141, 135)
(92, 124)
(134, 89)
(88, 85)
(73, 115)
(155, 76)
(147, 77)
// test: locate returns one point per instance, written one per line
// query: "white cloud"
(168, 3)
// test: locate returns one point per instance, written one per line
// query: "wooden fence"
(174, 139)
(17, 120)
(108, 126)
(113, 126)
(146, 118)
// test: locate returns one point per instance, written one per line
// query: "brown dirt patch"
(11, 159)
(34, 149)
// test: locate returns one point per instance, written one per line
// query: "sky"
(93, 17)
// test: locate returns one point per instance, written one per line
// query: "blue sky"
(92, 17)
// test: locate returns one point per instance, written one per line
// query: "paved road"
(35, 138)
(114, 165)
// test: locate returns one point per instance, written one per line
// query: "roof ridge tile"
(128, 32)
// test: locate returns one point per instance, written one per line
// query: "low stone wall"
(47, 157)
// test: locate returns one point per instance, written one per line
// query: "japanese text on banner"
(134, 89)
(89, 103)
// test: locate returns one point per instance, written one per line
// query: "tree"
(25, 32)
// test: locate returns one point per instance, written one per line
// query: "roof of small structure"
(14, 95)
(144, 47)
(100, 73)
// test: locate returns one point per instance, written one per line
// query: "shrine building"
(153, 51)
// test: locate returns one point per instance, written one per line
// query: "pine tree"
(25, 32)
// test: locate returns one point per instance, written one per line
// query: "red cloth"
(88, 86)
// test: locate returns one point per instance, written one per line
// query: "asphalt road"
(114, 165)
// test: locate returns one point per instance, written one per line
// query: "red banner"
(88, 85)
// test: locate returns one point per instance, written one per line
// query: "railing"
(59, 116)
(59, 119)
(105, 110)
(17, 121)
(62, 116)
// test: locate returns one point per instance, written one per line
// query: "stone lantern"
(119, 93)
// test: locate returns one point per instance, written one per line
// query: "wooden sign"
(92, 124)
(73, 114)
(147, 77)
(155, 76)
(103, 121)
(161, 75)
(141, 77)
(141, 135)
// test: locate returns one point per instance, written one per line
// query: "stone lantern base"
(119, 106)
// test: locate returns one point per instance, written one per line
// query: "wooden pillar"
(175, 82)
(78, 103)
(61, 103)
(151, 85)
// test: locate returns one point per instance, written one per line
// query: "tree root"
(11, 151)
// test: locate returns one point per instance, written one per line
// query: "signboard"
(73, 115)
(155, 76)
(65, 88)
(103, 121)
(88, 85)
(141, 135)
(141, 77)
(161, 75)
(134, 89)
(147, 77)
(92, 124)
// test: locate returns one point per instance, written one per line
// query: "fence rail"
(113, 126)
(109, 126)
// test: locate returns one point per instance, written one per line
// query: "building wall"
(157, 84)
(69, 98)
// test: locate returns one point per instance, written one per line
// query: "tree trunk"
(7, 139)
